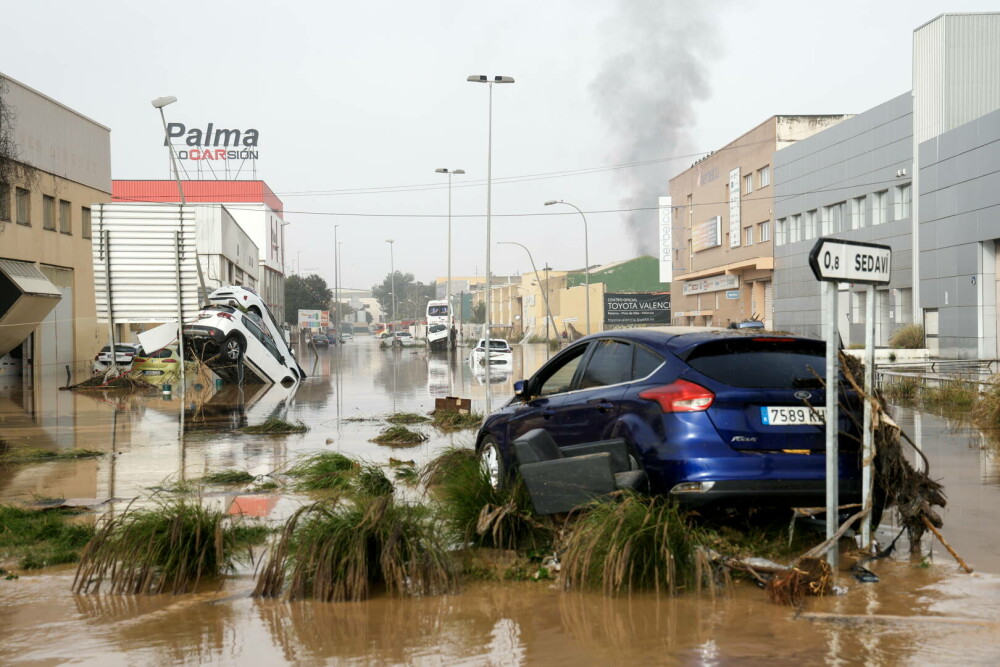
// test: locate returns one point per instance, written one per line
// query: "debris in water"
(276, 426)
(399, 436)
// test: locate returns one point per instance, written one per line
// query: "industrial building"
(61, 170)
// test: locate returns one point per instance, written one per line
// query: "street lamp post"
(482, 78)
(392, 284)
(159, 103)
(340, 286)
(586, 253)
(545, 295)
(447, 289)
(336, 280)
(548, 319)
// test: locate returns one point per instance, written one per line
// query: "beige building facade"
(45, 235)
(723, 226)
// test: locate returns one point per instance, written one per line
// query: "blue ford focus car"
(715, 417)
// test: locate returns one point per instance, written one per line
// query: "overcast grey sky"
(372, 96)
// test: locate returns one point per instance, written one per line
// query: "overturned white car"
(237, 336)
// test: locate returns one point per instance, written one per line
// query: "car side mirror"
(521, 389)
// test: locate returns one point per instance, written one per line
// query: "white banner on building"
(726, 281)
(666, 240)
(734, 208)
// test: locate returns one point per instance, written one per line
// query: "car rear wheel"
(232, 348)
(492, 462)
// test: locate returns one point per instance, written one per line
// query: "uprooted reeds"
(339, 549)
(17, 454)
(224, 477)
(450, 420)
(40, 538)
(333, 471)
(399, 436)
(407, 418)
(475, 513)
(166, 549)
(275, 426)
(628, 543)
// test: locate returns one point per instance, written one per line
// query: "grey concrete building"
(920, 173)
(850, 181)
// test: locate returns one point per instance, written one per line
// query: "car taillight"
(680, 396)
(226, 316)
(170, 361)
(138, 360)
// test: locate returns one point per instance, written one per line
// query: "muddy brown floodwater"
(923, 611)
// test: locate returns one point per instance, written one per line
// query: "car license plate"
(792, 416)
(152, 372)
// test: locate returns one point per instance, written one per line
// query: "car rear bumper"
(764, 493)
(204, 332)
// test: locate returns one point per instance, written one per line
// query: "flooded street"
(926, 611)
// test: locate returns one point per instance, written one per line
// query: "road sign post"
(835, 261)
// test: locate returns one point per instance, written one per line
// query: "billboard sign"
(666, 240)
(734, 208)
(707, 234)
(634, 309)
(314, 319)
(725, 281)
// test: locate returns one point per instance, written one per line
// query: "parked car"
(716, 418)
(331, 338)
(124, 354)
(238, 346)
(501, 353)
(346, 336)
(747, 324)
(159, 363)
(404, 339)
(320, 340)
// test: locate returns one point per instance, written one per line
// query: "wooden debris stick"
(944, 542)
(889, 618)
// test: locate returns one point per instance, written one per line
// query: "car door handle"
(602, 404)
(548, 412)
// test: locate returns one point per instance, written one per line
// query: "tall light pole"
(159, 103)
(340, 283)
(336, 281)
(538, 279)
(447, 289)
(586, 253)
(482, 78)
(392, 285)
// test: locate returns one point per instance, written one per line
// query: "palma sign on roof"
(851, 261)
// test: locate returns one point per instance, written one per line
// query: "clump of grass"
(40, 538)
(265, 485)
(407, 474)
(456, 421)
(903, 389)
(338, 550)
(442, 465)
(407, 418)
(630, 543)
(15, 454)
(399, 436)
(325, 471)
(359, 418)
(276, 426)
(169, 548)
(910, 337)
(954, 395)
(986, 413)
(477, 514)
(372, 481)
(228, 477)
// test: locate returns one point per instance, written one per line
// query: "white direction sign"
(851, 261)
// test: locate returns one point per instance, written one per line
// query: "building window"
(23, 206)
(65, 222)
(833, 218)
(748, 184)
(4, 202)
(810, 229)
(85, 222)
(858, 213)
(748, 235)
(902, 202)
(764, 231)
(878, 207)
(795, 228)
(48, 212)
(764, 177)
(780, 231)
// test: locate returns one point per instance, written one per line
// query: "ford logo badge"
(803, 395)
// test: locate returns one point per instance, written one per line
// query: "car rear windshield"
(761, 362)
